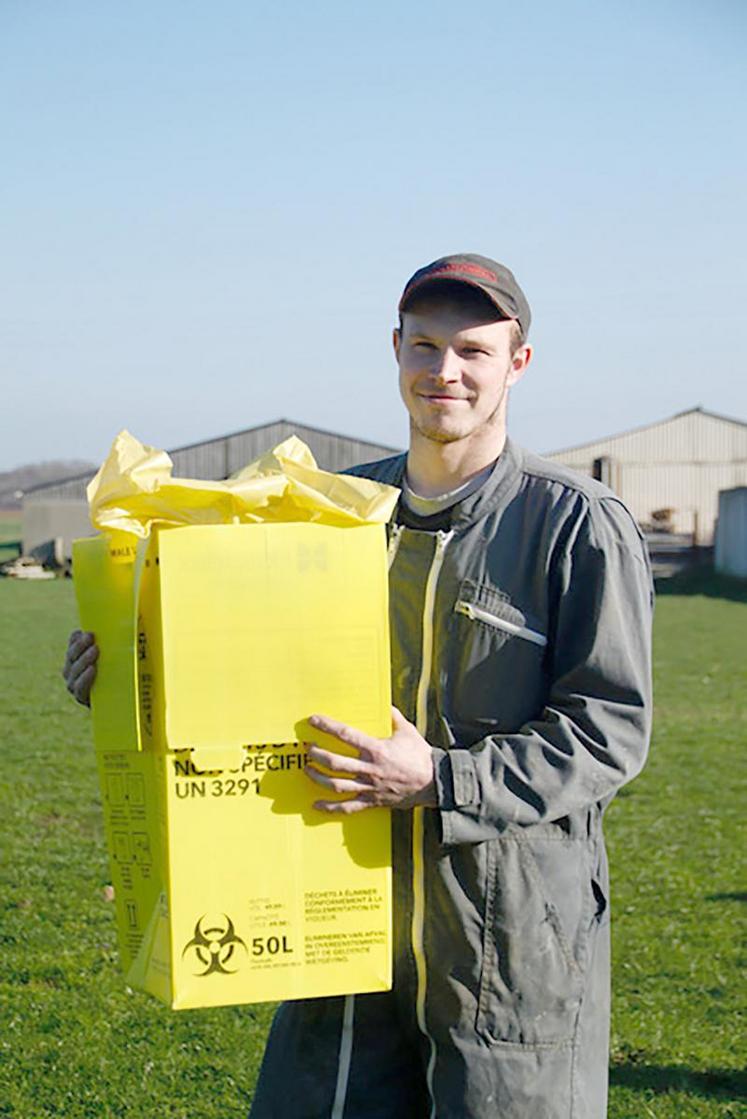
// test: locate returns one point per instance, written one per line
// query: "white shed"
(731, 532)
(670, 473)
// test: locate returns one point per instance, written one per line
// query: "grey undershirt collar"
(428, 506)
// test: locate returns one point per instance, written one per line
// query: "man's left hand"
(395, 772)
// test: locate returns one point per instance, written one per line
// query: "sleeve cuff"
(458, 799)
(455, 778)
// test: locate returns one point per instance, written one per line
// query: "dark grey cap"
(490, 277)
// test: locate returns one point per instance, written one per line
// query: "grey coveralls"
(520, 646)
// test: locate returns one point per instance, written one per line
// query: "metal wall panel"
(679, 464)
(731, 532)
(689, 489)
(46, 520)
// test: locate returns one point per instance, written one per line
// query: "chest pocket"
(495, 659)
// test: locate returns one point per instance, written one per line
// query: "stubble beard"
(495, 422)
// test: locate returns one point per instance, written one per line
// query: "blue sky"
(208, 211)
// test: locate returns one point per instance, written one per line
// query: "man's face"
(455, 369)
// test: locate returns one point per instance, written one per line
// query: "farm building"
(670, 473)
(58, 511)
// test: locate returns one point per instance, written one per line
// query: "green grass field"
(75, 1042)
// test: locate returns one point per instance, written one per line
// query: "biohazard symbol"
(215, 946)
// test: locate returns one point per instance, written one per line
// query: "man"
(520, 613)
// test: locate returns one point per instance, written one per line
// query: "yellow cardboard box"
(217, 642)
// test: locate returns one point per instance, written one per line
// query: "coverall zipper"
(421, 722)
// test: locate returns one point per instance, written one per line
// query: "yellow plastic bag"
(226, 614)
(134, 489)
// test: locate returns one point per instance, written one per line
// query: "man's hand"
(394, 772)
(79, 671)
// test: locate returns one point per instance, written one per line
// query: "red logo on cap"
(470, 269)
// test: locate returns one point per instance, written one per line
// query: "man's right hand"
(79, 671)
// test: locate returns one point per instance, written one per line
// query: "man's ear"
(519, 363)
(396, 341)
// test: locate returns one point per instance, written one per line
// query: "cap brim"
(434, 281)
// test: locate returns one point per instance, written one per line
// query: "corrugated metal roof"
(218, 458)
(692, 436)
(636, 436)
